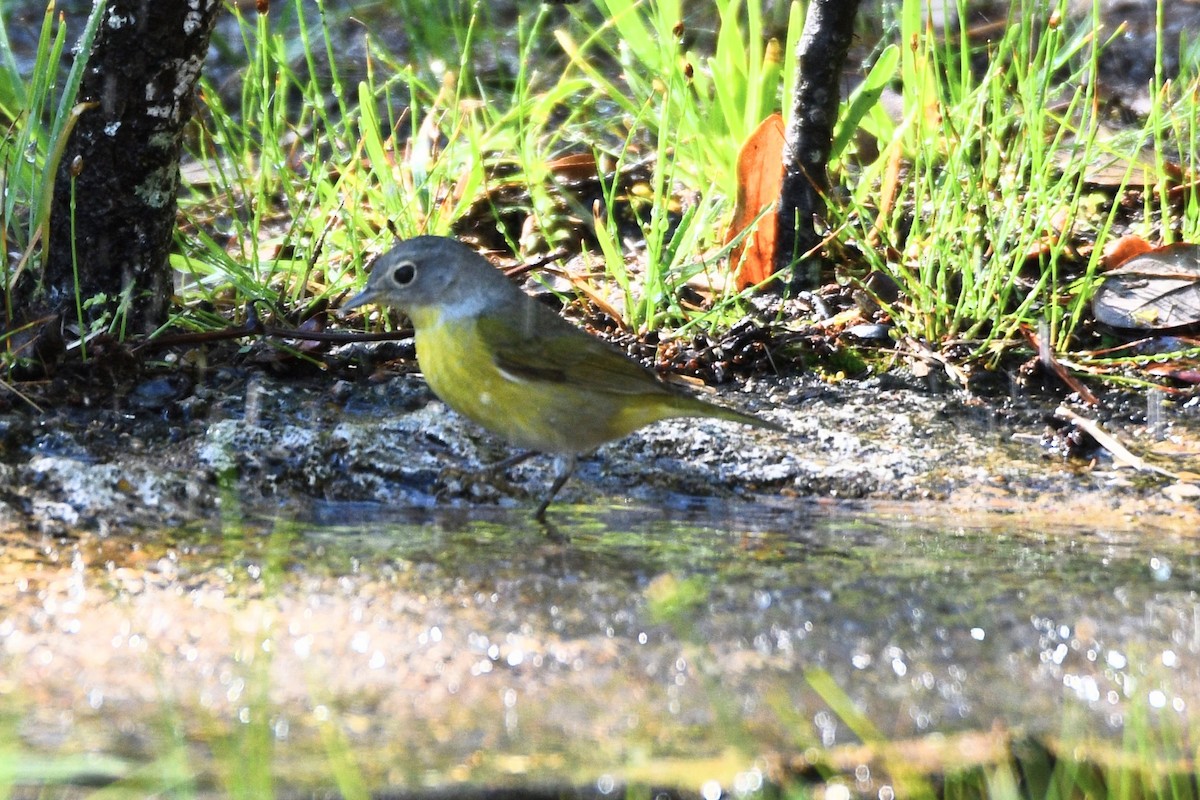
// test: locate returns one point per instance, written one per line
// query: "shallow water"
(664, 645)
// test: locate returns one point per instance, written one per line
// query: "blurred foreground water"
(663, 645)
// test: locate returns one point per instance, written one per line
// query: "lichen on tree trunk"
(113, 212)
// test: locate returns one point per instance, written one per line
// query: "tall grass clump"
(38, 113)
(688, 110)
(302, 189)
(296, 188)
(976, 204)
(980, 196)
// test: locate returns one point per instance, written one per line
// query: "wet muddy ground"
(173, 450)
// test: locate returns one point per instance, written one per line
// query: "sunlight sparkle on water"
(1160, 569)
(837, 791)
(748, 782)
(1084, 687)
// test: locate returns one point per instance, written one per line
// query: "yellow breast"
(546, 416)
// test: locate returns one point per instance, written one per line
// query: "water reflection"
(472, 646)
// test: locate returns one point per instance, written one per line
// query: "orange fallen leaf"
(760, 177)
(889, 189)
(1125, 248)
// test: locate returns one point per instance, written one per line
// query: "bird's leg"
(566, 466)
(496, 473)
(492, 474)
(511, 461)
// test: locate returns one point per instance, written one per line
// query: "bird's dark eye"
(404, 273)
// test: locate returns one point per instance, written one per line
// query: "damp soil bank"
(175, 449)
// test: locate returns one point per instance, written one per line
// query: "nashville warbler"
(512, 365)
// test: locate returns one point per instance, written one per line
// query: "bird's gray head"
(433, 272)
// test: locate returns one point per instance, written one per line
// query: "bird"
(513, 366)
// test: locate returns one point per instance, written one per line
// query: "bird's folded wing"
(555, 351)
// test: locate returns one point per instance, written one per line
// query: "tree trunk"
(113, 212)
(820, 56)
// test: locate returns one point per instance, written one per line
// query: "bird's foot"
(455, 480)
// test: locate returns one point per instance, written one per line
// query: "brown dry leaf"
(760, 178)
(1175, 370)
(1060, 221)
(1111, 171)
(574, 167)
(1152, 291)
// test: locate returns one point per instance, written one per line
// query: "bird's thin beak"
(361, 299)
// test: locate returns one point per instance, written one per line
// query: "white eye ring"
(404, 273)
